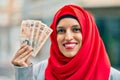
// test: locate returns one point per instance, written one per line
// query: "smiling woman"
(77, 51)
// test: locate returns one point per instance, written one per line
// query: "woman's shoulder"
(114, 74)
(42, 64)
(39, 69)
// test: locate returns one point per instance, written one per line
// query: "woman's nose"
(68, 36)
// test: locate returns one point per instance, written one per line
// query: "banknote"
(34, 33)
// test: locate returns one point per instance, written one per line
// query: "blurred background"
(12, 12)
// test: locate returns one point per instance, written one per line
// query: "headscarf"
(90, 63)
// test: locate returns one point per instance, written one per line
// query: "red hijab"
(90, 63)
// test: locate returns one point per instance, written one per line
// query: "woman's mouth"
(70, 45)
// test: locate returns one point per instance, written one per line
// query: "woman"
(77, 51)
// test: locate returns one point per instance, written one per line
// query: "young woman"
(77, 51)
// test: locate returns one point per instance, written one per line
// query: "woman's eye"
(60, 31)
(76, 30)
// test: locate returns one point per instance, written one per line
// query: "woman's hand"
(22, 56)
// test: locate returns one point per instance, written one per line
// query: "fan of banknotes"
(34, 33)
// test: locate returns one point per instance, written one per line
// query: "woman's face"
(69, 36)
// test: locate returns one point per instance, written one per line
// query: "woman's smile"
(69, 45)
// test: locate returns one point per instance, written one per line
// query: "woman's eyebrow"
(60, 27)
(76, 26)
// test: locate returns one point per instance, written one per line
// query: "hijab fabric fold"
(90, 63)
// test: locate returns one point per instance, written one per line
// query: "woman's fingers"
(20, 51)
(27, 60)
(25, 53)
(24, 61)
(22, 56)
